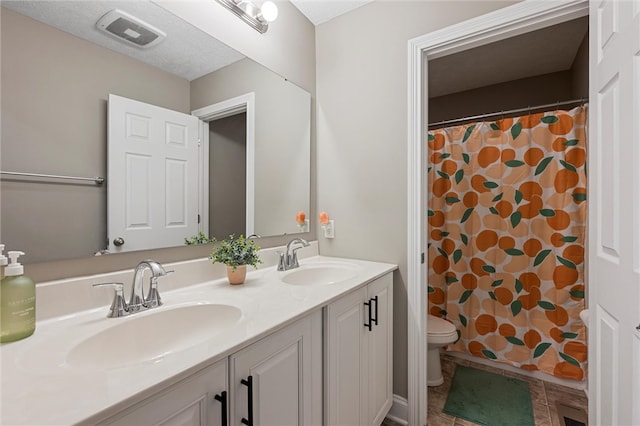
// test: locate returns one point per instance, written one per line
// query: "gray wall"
(54, 115)
(228, 175)
(538, 90)
(362, 134)
(282, 135)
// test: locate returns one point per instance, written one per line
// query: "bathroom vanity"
(278, 349)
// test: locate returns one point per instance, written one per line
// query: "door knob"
(118, 241)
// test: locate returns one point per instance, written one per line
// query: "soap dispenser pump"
(3, 261)
(17, 302)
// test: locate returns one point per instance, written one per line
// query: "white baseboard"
(399, 410)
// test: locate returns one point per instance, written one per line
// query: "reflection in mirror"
(54, 115)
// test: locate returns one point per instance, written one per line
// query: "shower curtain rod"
(503, 113)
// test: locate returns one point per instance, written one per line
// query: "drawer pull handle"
(222, 397)
(249, 384)
(369, 322)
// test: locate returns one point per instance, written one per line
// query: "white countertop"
(39, 387)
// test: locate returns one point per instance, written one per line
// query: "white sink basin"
(320, 274)
(152, 335)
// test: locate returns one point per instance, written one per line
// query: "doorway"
(502, 24)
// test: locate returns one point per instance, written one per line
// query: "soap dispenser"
(17, 302)
(3, 261)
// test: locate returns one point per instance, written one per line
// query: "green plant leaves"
(464, 238)
(568, 166)
(571, 142)
(459, 176)
(490, 185)
(578, 294)
(496, 283)
(451, 200)
(518, 286)
(549, 119)
(547, 212)
(568, 335)
(488, 268)
(466, 157)
(579, 197)
(568, 239)
(443, 175)
(498, 197)
(450, 279)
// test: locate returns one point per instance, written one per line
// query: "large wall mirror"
(58, 71)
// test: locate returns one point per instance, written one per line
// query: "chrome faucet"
(289, 259)
(137, 301)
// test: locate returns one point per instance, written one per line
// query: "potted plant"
(236, 253)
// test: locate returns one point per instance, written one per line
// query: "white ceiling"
(320, 11)
(190, 53)
(186, 52)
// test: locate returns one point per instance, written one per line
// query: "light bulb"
(269, 11)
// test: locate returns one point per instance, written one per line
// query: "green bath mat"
(489, 399)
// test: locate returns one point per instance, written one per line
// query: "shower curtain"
(507, 222)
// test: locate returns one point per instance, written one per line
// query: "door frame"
(243, 103)
(520, 18)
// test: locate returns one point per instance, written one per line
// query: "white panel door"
(152, 185)
(614, 212)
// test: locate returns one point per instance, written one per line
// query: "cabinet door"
(190, 402)
(346, 360)
(380, 350)
(279, 374)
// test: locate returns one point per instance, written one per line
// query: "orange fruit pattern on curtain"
(507, 223)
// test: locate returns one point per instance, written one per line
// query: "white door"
(614, 213)
(152, 192)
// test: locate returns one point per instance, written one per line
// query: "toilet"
(440, 333)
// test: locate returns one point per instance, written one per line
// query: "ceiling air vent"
(130, 29)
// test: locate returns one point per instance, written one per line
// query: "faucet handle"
(282, 261)
(153, 300)
(118, 305)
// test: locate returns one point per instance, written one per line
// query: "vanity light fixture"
(258, 17)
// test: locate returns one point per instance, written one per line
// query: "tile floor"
(544, 396)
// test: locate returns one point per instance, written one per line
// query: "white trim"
(243, 103)
(510, 21)
(398, 411)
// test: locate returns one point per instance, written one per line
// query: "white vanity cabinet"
(274, 381)
(358, 355)
(278, 380)
(195, 401)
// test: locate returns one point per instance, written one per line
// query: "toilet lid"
(436, 325)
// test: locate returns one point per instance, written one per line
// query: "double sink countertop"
(81, 367)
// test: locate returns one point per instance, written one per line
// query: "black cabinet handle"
(375, 319)
(222, 397)
(249, 384)
(368, 324)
